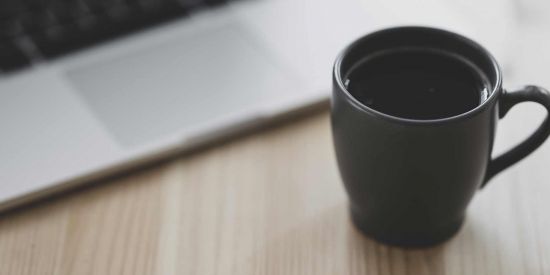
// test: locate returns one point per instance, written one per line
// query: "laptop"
(89, 88)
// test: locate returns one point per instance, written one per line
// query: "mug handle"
(506, 102)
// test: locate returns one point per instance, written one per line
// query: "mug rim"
(357, 104)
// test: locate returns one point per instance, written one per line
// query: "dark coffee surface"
(417, 84)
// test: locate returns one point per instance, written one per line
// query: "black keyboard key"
(214, 2)
(86, 22)
(188, 4)
(36, 21)
(36, 5)
(11, 57)
(100, 6)
(58, 39)
(9, 29)
(10, 8)
(122, 12)
(155, 12)
(68, 12)
(94, 6)
(150, 4)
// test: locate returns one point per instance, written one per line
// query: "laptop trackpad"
(185, 83)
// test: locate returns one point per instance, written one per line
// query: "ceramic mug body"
(410, 181)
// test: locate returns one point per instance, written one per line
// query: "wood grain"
(271, 203)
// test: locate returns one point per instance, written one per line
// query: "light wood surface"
(269, 203)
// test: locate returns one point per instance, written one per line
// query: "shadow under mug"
(410, 181)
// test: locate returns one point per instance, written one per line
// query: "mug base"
(432, 238)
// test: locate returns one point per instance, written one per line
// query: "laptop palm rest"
(154, 92)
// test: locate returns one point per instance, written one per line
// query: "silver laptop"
(93, 87)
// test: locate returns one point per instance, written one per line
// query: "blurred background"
(90, 88)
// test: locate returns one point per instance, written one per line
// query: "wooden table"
(269, 203)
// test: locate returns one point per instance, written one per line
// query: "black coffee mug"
(409, 181)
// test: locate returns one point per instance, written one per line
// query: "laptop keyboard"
(33, 30)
